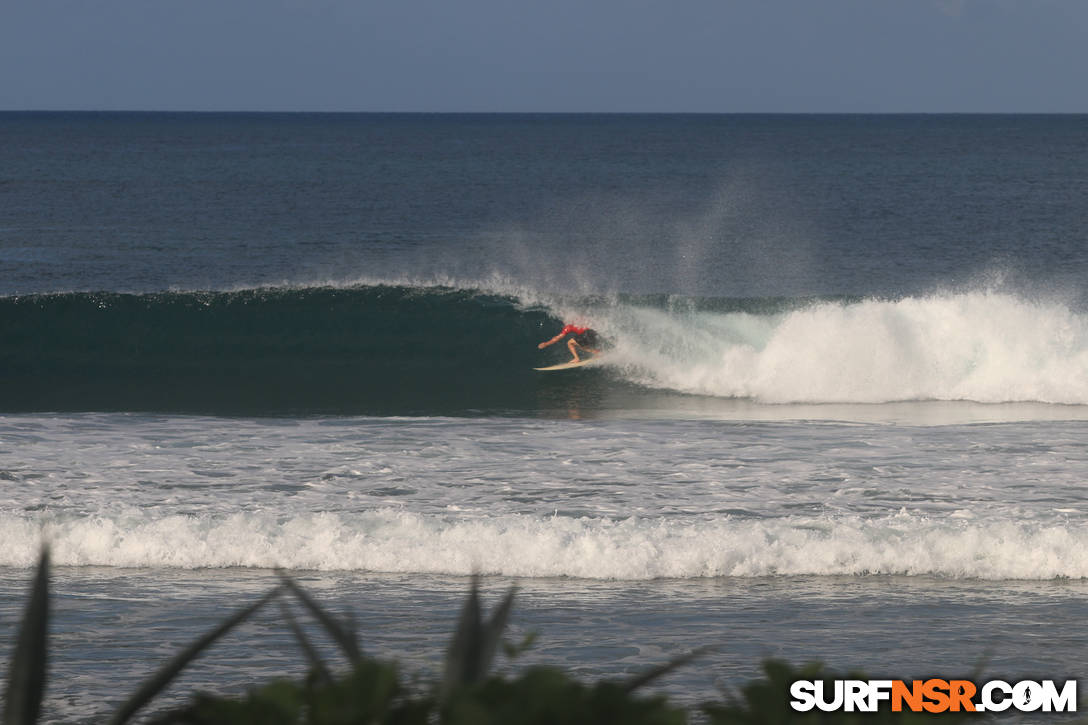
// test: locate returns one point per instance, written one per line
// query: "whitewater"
(624, 500)
(988, 347)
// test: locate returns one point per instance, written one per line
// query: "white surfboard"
(568, 365)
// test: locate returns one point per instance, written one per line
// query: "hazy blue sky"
(554, 55)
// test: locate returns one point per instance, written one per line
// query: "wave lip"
(390, 540)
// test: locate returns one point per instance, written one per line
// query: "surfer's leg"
(573, 347)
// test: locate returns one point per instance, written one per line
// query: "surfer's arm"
(552, 341)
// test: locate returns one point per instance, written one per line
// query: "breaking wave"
(393, 540)
(403, 350)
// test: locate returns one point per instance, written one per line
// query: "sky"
(700, 56)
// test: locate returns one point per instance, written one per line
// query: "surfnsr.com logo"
(933, 695)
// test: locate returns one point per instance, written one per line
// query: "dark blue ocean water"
(730, 206)
(264, 264)
(841, 414)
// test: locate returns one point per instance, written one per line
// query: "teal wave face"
(404, 350)
(366, 350)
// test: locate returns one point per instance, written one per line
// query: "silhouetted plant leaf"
(316, 663)
(277, 703)
(343, 637)
(26, 680)
(516, 650)
(492, 632)
(474, 642)
(659, 671)
(170, 670)
(463, 654)
(547, 695)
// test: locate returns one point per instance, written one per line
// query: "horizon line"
(150, 111)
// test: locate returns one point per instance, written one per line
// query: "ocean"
(840, 417)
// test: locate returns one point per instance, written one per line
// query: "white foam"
(980, 346)
(390, 540)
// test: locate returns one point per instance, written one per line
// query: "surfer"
(585, 338)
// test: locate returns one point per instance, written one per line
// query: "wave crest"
(404, 350)
(389, 540)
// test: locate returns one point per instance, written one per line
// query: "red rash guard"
(573, 328)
